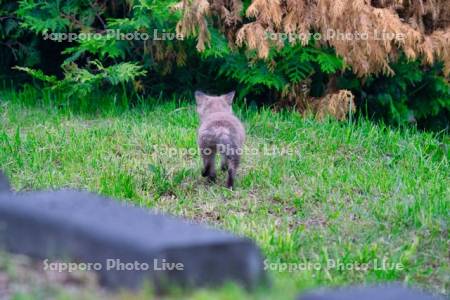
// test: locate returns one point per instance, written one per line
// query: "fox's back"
(221, 128)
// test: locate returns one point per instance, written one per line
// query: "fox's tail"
(225, 141)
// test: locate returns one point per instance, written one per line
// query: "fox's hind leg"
(233, 164)
(209, 165)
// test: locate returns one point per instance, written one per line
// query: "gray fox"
(220, 132)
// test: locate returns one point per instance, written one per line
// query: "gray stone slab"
(4, 183)
(86, 228)
(380, 292)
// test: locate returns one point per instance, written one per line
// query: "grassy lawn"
(307, 192)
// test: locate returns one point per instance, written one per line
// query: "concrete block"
(132, 245)
(379, 292)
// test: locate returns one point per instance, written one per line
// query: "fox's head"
(207, 105)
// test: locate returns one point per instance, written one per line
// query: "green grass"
(351, 193)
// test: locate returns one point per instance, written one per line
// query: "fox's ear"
(200, 97)
(229, 97)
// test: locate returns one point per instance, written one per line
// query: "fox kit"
(220, 132)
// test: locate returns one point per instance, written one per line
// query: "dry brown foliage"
(194, 20)
(421, 29)
(339, 104)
